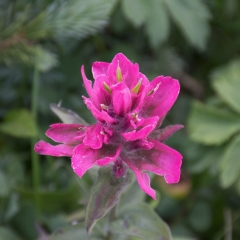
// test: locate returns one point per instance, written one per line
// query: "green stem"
(111, 217)
(34, 156)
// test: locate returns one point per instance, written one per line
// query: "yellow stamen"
(119, 73)
(103, 106)
(137, 87)
(153, 90)
(107, 88)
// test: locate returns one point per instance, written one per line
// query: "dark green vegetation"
(43, 43)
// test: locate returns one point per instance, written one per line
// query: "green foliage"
(148, 227)
(188, 15)
(210, 125)
(19, 123)
(226, 83)
(104, 195)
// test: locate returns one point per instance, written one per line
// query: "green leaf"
(141, 221)
(136, 11)
(67, 115)
(19, 123)
(4, 185)
(157, 25)
(12, 207)
(7, 234)
(230, 164)
(77, 232)
(210, 125)
(192, 18)
(104, 195)
(226, 81)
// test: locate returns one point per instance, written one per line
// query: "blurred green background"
(43, 43)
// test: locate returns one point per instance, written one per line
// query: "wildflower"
(129, 111)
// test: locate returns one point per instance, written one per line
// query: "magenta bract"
(129, 111)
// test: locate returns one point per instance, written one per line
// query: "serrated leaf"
(226, 82)
(136, 11)
(230, 164)
(141, 221)
(192, 18)
(104, 195)
(210, 125)
(157, 25)
(67, 115)
(19, 123)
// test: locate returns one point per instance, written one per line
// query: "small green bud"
(119, 74)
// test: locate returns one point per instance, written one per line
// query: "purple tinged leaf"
(104, 195)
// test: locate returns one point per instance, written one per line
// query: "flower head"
(129, 111)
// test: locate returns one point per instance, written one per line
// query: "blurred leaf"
(209, 125)
(19, 123)
(136, 11)
(7, 234)
(192, 18)
(226, 81)
(4, 185)
(77, 232)
(67, 115)
(200, 210)
(141, 221)
(157, 25)
(30, 55)
(230, 164)
(54, 201)
(104, 195)
(12, 207)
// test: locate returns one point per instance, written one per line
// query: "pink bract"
(129, 111)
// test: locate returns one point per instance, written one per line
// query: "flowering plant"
(126, 136)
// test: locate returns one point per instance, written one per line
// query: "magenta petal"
(102, 116)
(87, 84)
(161, 160)
(148, 123)
(65, 133)
(121, 99)
(99, 68)
(60, 150)
(83, 159)
(164, 93)
(128, 69)
(94, 136)
(165, 133)
(143, 180)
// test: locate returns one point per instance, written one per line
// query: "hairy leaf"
(67, 115)
(210, 125)
(141, 221)
(104, 195)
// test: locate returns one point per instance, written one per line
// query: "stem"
(34, 156)
(111, 217)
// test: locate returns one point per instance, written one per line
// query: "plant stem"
(111, 217)
(34, 156)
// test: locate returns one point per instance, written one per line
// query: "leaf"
(141, 221)
(67, 115)
(226, 82)
(12, 207)
(77, 232)
(157, 25)
(104, 195)
(230, 164)
(19, 123)
(192, 18)
(7, 234)
(210, 125)
(4, 185)
(136, 11)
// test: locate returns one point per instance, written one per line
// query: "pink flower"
(129, 111)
